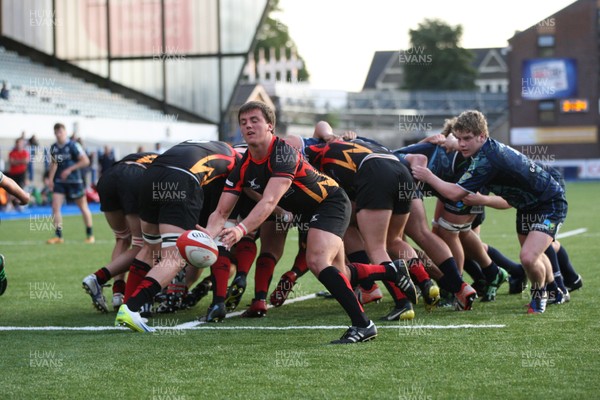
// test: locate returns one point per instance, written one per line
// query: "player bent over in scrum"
(118, 188)
(279, 173)
(172, 198)
(539, 199)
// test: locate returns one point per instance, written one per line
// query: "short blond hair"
(471, 121)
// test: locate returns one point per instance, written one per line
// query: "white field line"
(197, 325)
(192, 324)
(245, 328)
(571, 233)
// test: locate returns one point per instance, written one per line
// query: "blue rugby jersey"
(66, 156)
(511, 175)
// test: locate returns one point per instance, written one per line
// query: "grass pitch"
(554, 355)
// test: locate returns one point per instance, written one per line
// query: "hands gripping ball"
(197, 248)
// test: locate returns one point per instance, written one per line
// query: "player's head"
(471, 121)
(267, 112)
(448, 126)
(257, 123)
(470, 128)
(60, 132)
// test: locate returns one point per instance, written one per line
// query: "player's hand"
(450, 144)
(65, 174)
(435, 139)
(349, 135)
(421, 173)
(204, 230)
(230, 236)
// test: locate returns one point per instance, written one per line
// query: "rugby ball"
(197, 248)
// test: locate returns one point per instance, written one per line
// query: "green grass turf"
(554, 355)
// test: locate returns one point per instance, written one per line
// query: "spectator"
(4, 91)
(158, 148)
(33, 150)
(18, 159)
(105, 159)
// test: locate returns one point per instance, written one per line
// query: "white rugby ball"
(197, 248)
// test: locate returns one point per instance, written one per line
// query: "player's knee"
(122, 234)
(528, 258)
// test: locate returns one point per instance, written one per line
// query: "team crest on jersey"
(253, 184)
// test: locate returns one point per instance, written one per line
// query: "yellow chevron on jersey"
(347, 154)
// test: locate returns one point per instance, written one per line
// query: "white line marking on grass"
(43, 242)
(321, 327)
(198, 325)
(191, 324)
(571, 233)
(62, 328)
(246, 328)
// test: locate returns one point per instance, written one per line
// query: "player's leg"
(443, 265)
(327, 264)
(288, 279)
(494, 275)
(120, 265)
(82, 204)
(537, 266)
(573, 280)
(3, 280)
(272, 243)
(173, 218)
(518, 280)
(557, 292)
(373, 226)
(145, 259)
(244, 254)
(92, 283)
(58, 198)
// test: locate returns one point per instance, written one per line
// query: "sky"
(337, 38)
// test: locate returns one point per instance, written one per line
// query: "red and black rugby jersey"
(309, 187)
(143, 158)
(341, 159)
(206, 160)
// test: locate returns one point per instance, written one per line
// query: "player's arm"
(51, 173)
(478, 199)
(274, 191)
(82, 161)
(13, 188)
(323, 131)
(217, 218)
(449, 190)
(434, 139)
(294, 141)
(416, 159)
(253, 195)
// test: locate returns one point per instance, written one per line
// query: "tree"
(274, 34)
(435, 59)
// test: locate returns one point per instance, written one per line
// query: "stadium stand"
(38, 89)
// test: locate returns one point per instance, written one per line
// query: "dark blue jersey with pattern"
(66, 156)
(448, 166)
(511, 175)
